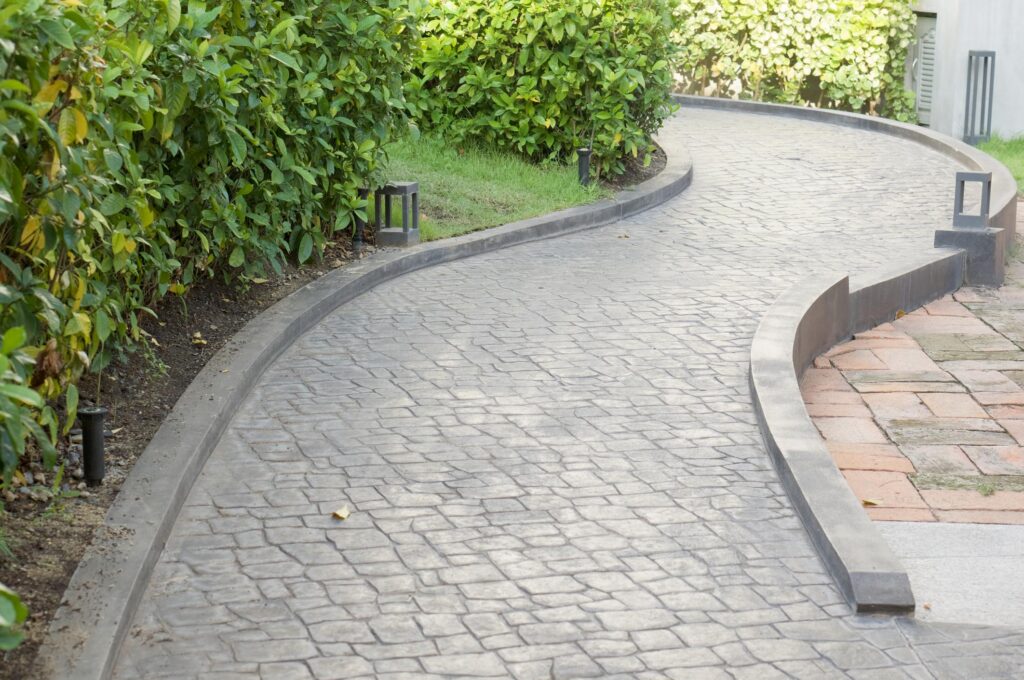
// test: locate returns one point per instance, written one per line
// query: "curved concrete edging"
(807, 320)
(104, 593)
(812, 317)
(1004, 187)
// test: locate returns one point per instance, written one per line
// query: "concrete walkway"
(550, 456)
(964, 573)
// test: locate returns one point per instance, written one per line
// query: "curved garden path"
(551, 458)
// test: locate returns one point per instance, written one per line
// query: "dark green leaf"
(56, 32)
(305, 247)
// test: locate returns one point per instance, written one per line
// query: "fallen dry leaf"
(900, 314)
(866, 502)
(197, 338)
(341, 513)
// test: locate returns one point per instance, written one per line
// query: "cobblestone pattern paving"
(925, 415)
(551, 458)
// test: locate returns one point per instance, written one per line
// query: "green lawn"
(464, 189)
(1011, 153)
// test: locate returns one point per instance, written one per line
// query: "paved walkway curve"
(551, 457)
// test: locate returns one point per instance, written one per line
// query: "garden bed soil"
(48, 538)
(636, 172)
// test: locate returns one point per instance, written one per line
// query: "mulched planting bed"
(636, 172)
(48, 535)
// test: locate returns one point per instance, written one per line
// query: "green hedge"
(146, 144)
(544, 77)
(844, 54)
(13, 614)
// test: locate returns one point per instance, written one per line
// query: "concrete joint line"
(106, 588)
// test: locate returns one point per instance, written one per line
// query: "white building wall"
(965, 25)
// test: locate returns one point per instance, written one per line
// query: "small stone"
(78, 473)
(29, 479)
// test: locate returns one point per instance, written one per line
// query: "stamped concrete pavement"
(550, 456)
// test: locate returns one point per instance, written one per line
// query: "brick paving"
(925, 415)
(550, 455)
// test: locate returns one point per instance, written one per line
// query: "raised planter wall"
(806, 321)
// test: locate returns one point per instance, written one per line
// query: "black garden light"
(91, 418)
(583, 159)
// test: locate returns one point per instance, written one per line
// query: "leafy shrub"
(23, 412)
(844, 54)
(12, 615)
(544, 77)
(144, 147)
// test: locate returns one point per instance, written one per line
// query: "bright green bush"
(144, 146)
(544, 77)
(24, 414)
(12, 615)
(843, 54)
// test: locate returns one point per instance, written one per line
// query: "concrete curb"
(103, 595)
(807, 320)
(812, 317)
(1004, 187)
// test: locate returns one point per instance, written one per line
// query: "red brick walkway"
(925, 416)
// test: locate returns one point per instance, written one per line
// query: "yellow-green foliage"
(147, 143)
(844, 54)
(544, 77)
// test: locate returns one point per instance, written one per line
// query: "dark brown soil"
(636, 172)
(48, 539)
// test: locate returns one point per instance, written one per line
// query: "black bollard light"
(359, 240)
(91, 418)
(583, 159)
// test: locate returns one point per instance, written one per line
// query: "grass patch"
(1010, 153)
(468, 188)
